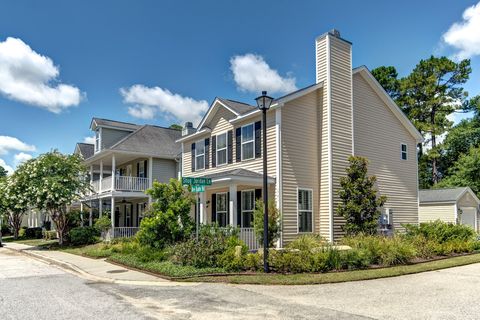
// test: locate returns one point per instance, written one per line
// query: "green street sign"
(190, 181)
(198, 188)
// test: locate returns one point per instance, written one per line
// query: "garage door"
(468, 216)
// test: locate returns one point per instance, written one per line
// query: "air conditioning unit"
(386, 221)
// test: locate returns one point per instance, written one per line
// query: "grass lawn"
(31, 242)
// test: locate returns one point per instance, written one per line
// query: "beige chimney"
(334, 69)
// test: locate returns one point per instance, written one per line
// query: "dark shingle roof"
(86, 149)
(237, 106)
(151, 140)
(116, 124)
(441, 195)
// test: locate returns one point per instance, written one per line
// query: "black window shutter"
(258, 135)
(258, 194)
(138, 169)
(214, 207)
(239, 208)
(193, 157)
(145, 174)
(207, 153)
(230, 146)
(238, 144)
(214, 151)
(228, 208)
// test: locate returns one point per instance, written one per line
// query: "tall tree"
(176, 126)
(3, 172)
(360, 204)
(55, 181)
(387, 76)
(465, 172)
(429, 94)
(14, 201)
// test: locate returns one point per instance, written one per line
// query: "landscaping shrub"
(49, 234)
(308, 242)
(21, 232)
(83, 235)
(273, 222)
(253, 262)
(33, 233)
(441, 232)
(5, 230)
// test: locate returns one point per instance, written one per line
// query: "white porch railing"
(131, 183)
(96, 186)
(124, 232)
(247, 235)
(106, 184)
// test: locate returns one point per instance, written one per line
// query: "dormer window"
(221, 149)
(97, 140)
(200, 155)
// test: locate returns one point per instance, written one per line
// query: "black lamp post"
(263, 103)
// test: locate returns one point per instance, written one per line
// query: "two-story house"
(123, 162)
(310, 135)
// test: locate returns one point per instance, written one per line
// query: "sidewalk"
(92, 269)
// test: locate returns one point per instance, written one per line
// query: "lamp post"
(263, 103)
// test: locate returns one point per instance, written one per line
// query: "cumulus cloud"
(11, 143)
(147, 102)
(6, 166)
(31, 78)
(90, 140)
(464, 36)
(251, 73)
(22, 157)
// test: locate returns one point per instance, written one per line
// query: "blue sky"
(163, 62)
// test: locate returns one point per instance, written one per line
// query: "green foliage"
(441, 232)
(359, 201)
(308, 242)
(103, 224)
(273, 222)
(3, 172)
(49, 235)
(175, 126)
(33, 233)
(13, 201)
(465, 172)
(83, 236)
(168, 220)
(215, 248)
(387, 76)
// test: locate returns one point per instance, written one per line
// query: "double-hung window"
(221, 148)
(200, 155)
(141, 169)
(248, 205)
(404, 152)
(221, 209)
(305, 210)
(248, 142)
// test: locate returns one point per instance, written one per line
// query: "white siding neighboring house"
(310, 134)
(454, 205)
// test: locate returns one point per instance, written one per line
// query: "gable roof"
(377, 87)
(151, 140)
(444, 195)
(99, 122)
(237, 106)
(86, 150)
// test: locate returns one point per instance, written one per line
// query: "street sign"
(198, 188)
(190, 181)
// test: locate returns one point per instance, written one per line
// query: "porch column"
(101, 177)
(100, 208)
(113, 172)
(91, 177)
(150, 178)
(233, 205)
(90, 215)
(112, 212)
(81, 213)
(203, 212)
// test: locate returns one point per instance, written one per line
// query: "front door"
(221, 207)
(468, 217)
(128, 215)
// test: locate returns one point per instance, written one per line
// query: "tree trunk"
(1, 244)
(15, 221)
(434, 144)
(60, 220)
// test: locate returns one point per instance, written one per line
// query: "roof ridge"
(124, 122)
(236, 101)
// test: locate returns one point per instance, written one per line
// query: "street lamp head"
(264, 101)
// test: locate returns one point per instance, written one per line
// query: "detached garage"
(455, 205)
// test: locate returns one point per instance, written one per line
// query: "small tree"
(168, 220)
(360, 205)
(3, 172)
(273, 222)
(14, 201)
(54, 182)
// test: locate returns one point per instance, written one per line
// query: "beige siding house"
(124, 161)
(310, 135)
(455, 205)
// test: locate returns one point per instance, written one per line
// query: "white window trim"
(252, 141)
(99, 130)
(226, 207)
(141, 164)
(217, 149)
(196, 155)
(298, 212)
(241, 206)
(402, 152)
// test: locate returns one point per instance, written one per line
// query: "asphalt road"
(30, 289)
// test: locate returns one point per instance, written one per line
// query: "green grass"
(335, 277)
(31, 242)
(96, 251)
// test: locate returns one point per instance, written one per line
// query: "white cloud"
(252, 73)
(31, 78)
(90, 140)
(10, 143)
(148, 101)
(464, 36)
(6, 166)
(22, 157)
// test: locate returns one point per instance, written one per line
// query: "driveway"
(46, 292)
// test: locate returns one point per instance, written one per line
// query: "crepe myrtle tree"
(14, 202)
(55, 181)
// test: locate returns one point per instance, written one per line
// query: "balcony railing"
(247, 235)
(122, 183)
